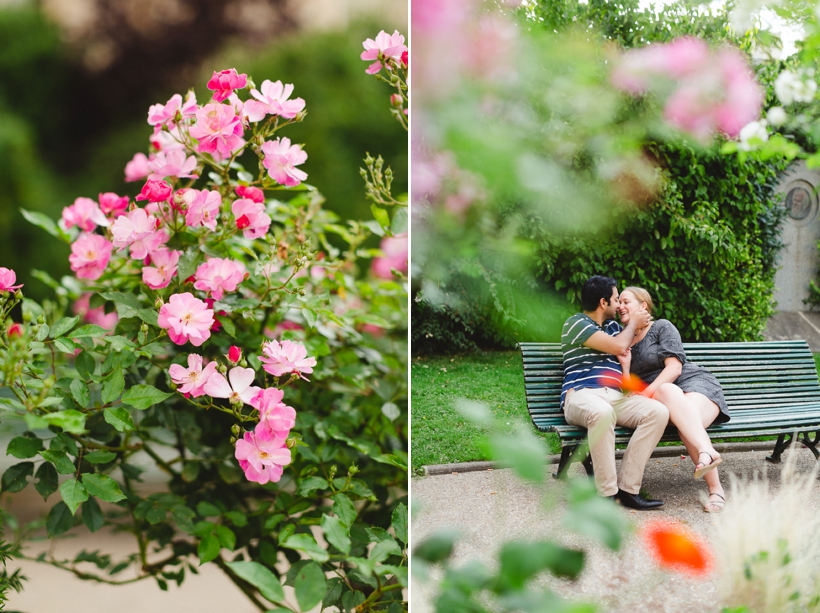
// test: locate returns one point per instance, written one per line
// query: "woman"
(692, 394)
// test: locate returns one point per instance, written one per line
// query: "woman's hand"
(625, 359)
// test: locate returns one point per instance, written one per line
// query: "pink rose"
(251, 218)
(172, 164)
(273, 100)
(137, 168)
(193, 378)
(113, 205)
(89, 256)
(275, 417)
(281, 158)
(186, 318)
(138, 230)
(234, 354)
(85, 214)
(165, 114)
(155, 191)
(218, 130)
(253, 193)
(223, 83)
(7, 279)
(163, 268)
(285, 358)
(238, 391)
(218, 276)
(203, 207)
(389, 46)
(262, 458)
(395, 250)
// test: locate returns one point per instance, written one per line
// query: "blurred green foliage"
(51, 152)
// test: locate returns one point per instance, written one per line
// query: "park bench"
(771, 388)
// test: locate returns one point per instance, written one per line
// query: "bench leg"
(811, 443)
(564, 462)
(587, 462)
(779, 447)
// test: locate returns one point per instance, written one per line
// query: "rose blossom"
(163, 268)
(186, 318)
(280, 159)
(7, 279)
(15, 330)
(167, 141)
(137, 229)
(218, 130)
(223, 83)
(137, 168)
(85, 214)
(234, 354)
(193, 378)
(275, 417)
(238, 390)
(273, 100)
(165, 114)
(395, 251)
(155, 191)
(96, 315)
(113, 205)
(262, 458)
(218, 276)
(203, 207)
(389, 47)
(172, 164)
(254, 193)
(286, 357)
(89, 256)
(251, 218)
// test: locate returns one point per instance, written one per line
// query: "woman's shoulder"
(664, 325)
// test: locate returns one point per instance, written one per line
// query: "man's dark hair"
(594, 289)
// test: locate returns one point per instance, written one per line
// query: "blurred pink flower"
(203, 207)
(254, 193)
(281, 158)
(251, 218)
(238, 390)
(281, 327)
(15, 330)
(193, 378)
(137, 168)
(224, 82)
(89, 256)
(275, 417)
(7, 279)
(273, 100)
(85, 214)
(165, 114)
(218, 276)
(138, 230)
(395, 250)
(389, 46)
(186, 318)
(285, 358)
(113, 205)
(155, 191)
(172, 164)
(96, 315)
(262, 458)
(218, 129)
(162, 269)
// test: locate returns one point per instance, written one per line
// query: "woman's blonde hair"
(641, 295)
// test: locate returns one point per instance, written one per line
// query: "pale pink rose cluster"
(395, 250)
(384, 48)
(713, 90)
(7, 280)
(286, 358)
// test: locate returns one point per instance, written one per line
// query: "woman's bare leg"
(687, 414)
(708, 412)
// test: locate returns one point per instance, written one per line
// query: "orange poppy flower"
(632, 383)
(677, 548)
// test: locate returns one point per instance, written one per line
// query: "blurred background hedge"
(76, 83)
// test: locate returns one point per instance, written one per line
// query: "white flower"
(756, 131)
(795, 87)
(777, 116)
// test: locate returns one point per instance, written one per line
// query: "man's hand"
(641, 319)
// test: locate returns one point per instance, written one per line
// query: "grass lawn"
(440, 434)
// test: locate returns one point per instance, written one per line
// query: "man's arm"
(616, 345)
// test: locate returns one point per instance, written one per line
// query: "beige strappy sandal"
(714, 506)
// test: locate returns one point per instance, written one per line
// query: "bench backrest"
(780, 375)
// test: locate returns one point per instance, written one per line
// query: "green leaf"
(87, 330)
(66, 345)
(63, 326)
(261, 578)
(42, 221)
(310, 484)
(226, 322)
(207, 509)
(14, 479)
(336, 533)
(85, 365)
(24, 446)
(400, 522)
(103, 487)
(120, 418)
(73, 493)
(113, 385)
(310, 586)
(226, 537)
(188, 263)
(80, 393)
(237, 518)
(344, 509)
(69, 420)
(60, 459)
(594, 516)
(42, 333)
(306, 543)
(208, 548)
(383, 550)
(46, 483)
(380, 215)
(143, 396)
(520, 561)
(436, 547)
(100, 456)
(523, 452)
(59, 520)
(92, 515)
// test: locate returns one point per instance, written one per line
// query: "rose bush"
(226, 335)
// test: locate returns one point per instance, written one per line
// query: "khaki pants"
(599, 410)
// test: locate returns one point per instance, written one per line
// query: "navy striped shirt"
(583, 366)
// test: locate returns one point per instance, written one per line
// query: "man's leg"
(591, 409)
(649, 419)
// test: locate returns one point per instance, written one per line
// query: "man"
(591, 395)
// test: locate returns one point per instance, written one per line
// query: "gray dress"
(663, 341)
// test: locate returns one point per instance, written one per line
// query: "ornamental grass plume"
(768, 544)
